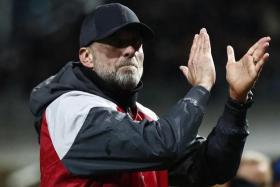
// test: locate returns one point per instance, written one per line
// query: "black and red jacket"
(94, 135)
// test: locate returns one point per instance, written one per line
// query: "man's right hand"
(201, 69)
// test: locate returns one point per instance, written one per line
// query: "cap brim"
(146, 32)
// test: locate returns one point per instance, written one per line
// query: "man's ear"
(86, 57)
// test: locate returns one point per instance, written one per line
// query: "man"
(94, 133)
(254, 171)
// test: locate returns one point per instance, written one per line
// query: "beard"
(125, 76)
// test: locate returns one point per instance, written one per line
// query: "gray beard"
(123, 80)
(127, 81)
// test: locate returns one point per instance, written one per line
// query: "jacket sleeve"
(215, 159)
(101, 140)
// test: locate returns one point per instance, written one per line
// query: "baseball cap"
(107, 19)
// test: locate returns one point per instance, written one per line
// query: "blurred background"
(37, 37)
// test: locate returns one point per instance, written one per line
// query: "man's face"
(119, 58)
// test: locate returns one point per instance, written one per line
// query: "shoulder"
(73, 108)
(77, 100)
(66, 115)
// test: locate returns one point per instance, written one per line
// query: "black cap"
(109, 18)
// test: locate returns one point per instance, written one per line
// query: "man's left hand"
(242, 75)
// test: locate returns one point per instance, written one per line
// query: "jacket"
(92, 134)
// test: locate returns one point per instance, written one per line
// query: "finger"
(259, 72)
(260, 41)
(193, 48)
(198, 48)
(260, 51)
(258, 75)
(230, 54)
(201, 41)
(185, 71)
(261, 62)
(203, 33)
(207, 43)
(249, 63)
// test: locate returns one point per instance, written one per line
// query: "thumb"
(230, 54)
(185, 70)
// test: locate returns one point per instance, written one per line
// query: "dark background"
(37, 37)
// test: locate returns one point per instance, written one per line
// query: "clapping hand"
(242, 75)
(200, 70)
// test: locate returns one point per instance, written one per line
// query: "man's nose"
(129, 51)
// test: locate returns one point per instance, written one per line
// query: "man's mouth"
(127, 65)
